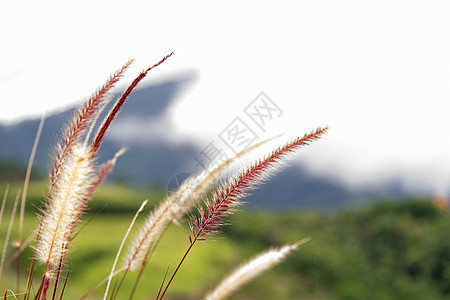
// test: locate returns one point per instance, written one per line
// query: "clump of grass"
(228, 197)
(74, 178)
(75, 175)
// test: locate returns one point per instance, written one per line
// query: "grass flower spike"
(75, 176)
(228, 197)
(251, 269)
(202, 202)
(173, 208)
(70, 190)
(82, 122)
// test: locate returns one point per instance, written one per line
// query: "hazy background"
(376, 72)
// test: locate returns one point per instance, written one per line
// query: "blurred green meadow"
(388, 250)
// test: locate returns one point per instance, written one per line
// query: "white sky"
(376, 72)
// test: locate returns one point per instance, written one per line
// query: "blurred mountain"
(149, 159)
(295, 186)
(153, 158)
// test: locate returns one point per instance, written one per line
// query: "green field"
(386, 251)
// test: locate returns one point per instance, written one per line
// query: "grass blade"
(5, 196)
(121, 246)
(24, 193)
(8, 233)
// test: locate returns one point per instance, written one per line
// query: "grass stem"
(121, 246)
(8, 233)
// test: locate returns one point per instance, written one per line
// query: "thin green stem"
(145, 261)
(178, 267)
(65, 282)
(24, 194)
(119, 285)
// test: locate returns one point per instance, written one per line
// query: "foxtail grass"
(203, 202)
(75, 176)
(174, 208)
(252, 269)
(228, 197)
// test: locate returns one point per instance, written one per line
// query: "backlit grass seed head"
(73, 177)
(66, 203)
(194, 188)
(174, 208)
(211, 216)
(228, 197)
(82, 121)
(251, 269)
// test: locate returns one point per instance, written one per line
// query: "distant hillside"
(381, 251)
(296, 187)
(152, 159)
(148, 160)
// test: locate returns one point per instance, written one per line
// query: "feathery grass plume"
(173, 208)
(80, 123)
(45, 247)
(115, 110)
(62, 157)
(63, 211)
(251, 269)
(199, 185)
(227, 198)
(8, 232)
(74, 178)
